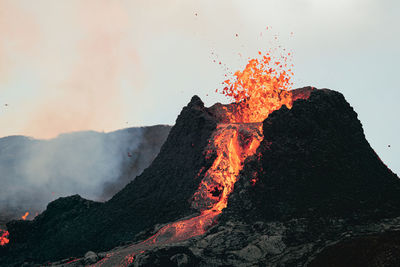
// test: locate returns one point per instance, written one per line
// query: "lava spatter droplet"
(262, 87)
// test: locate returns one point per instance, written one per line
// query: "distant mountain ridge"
(313, 181)
(34, 172)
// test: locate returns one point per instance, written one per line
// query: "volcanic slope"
(314, 161)
(313, 180)
(71, 226)
(163, 193)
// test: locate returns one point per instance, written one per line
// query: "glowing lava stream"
(262, 87)
(232, 143)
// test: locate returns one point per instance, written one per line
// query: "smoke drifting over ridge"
(92, 164)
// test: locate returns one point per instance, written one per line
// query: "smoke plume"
(93, 164)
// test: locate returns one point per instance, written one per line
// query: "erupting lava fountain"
(262, 87)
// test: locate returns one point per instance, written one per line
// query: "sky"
(72, 65)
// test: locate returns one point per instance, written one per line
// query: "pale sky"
(72, 65)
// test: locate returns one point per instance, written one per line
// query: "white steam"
(35, 172)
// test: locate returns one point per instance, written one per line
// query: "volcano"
(227, 190)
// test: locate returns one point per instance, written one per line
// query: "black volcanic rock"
(313, 182)
(152, 138)
(165, 257)
(163, 192)
(370, 250)
(72, 226)
(314, 161)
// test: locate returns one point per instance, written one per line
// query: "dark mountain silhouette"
(34, 172)
(313, 182)
(160, 194)
(314, 194)
(314, 161)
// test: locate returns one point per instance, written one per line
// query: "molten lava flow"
(232, 143)
(262, 87)
(3, 237)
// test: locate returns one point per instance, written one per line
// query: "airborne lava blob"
(262, 87)
(23, 217)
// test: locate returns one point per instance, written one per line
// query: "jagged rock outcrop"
(314, 188)
(160, 194)
(314, 181)
(314, 161)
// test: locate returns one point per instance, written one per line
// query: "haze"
(104, 65)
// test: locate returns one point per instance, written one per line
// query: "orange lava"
(232, 143)
(4, 237)
(23, 217)
(262, 87)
